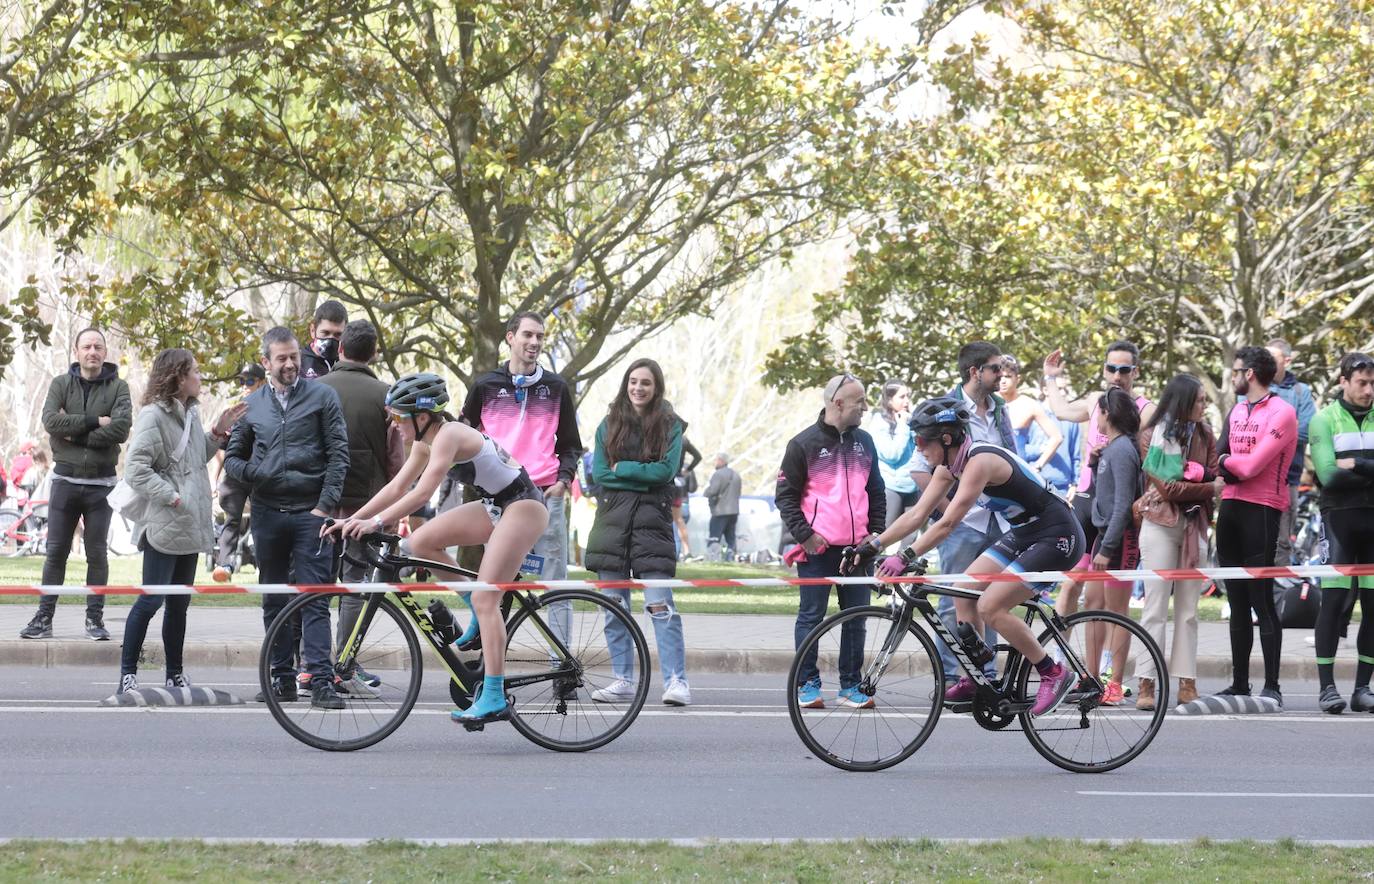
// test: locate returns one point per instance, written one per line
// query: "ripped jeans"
(672, 652)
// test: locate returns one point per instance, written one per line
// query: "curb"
(50, 653)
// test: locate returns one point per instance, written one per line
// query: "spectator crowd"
(1153, 484)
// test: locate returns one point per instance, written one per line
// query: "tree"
(438, 166)
(78, 79)
(1196, 176)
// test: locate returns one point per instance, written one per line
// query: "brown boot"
(1187, 690)
(1145, 700)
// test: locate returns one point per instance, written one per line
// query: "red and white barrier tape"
(710, 583)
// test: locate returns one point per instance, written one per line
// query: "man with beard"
(1256, 446)
(291, 449)
(326, 329)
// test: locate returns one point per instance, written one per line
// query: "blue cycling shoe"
(488, 705)
(471, 632)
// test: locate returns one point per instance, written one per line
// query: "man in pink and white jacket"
(830, 495)
(1256, 448)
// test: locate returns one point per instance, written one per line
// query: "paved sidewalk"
(740, 643)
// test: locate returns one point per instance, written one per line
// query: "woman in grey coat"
(170, 474)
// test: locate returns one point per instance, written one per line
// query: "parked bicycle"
(898, 667)
(24, 528)
(549, 676)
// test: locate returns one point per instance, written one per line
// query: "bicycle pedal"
(473, 727)
(959, 707)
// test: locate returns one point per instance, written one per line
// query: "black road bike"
(551, 670)
(893, 661)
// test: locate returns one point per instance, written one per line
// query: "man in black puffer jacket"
(291, 448)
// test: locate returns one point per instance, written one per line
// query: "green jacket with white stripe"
(1336, 434)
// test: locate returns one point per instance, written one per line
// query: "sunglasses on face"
(844, 379)
(995, 368)
(1117, 369)
(398, 418)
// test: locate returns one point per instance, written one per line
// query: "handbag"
(126, 501)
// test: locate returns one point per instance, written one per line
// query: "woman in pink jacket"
(1257, 445)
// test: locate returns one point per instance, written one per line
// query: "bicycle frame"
(390, 561)
(913, 598)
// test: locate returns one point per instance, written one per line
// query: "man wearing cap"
(232, 494)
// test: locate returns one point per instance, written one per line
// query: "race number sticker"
(533, 564)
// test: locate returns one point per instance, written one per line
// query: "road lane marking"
(1125, 794)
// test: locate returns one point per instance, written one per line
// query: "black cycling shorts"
(1348, 539)
(1083, 509)
(521, 488)
(1042, 545)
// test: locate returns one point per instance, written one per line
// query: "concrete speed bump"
(192, 696)
(1228, 704)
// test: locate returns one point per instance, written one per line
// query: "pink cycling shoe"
(962, 691)
(1053, 687)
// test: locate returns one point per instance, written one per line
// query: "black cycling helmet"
(943, 414)
(418, 391)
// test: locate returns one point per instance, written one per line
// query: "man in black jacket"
(322, 350)
(87, 415)
(830, 495)
(375, 453)
(291, 449)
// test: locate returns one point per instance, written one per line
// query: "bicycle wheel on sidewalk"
(898, 674)
(1081, 734)
(553, 695)
(388, 648)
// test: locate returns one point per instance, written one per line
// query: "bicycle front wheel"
(889, 682)
(1083, 735)
(388, 649)
(587, 697)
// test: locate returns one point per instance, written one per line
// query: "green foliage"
(1195, 176)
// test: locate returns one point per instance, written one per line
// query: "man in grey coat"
(722, 493)
(291, 449)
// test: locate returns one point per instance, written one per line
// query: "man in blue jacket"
(291, 449)
(980, 374)
(1299, 395)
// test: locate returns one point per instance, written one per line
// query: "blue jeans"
(962, 548)
(811, 606)
(672, 650)
(287, 543)
(159, 569)
(552, 547)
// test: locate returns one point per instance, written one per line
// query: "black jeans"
(232, 498)
(67, 504)
(722, 528)
(159, 569)
(1247, 535)
(812, 603)
(289, 544)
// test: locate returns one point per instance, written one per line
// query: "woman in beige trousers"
(1179, 453)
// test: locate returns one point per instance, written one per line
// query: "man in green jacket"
(87, 415)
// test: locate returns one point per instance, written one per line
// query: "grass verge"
(718, 600)
(918, 860)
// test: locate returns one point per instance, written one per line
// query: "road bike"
(893, 661)
(551, 670)
(24, 528)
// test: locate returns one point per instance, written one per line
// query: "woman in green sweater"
(638, 452)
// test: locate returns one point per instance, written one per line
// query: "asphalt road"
(728, 767)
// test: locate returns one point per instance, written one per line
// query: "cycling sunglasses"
(1361, 365)
(399, 417)
(1117, 369)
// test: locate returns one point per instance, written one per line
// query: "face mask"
(327, 349)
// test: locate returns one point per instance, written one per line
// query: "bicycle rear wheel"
(388, 648)
(899, 674)
(554, 704)
(8, 544)
(1082, 735)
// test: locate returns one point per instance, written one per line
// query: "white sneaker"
(677, 693)
(618, 691)
(1312, 642)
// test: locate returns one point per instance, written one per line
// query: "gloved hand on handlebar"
(856, 558)
(904, 562)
